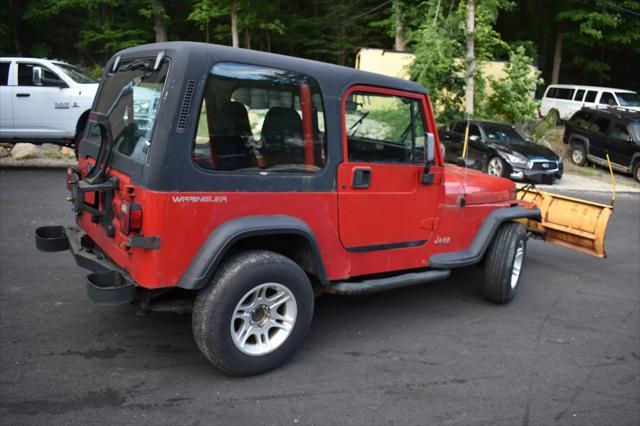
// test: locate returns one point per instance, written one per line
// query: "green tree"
(512, 98)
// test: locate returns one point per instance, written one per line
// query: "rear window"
(601, 125)
(254, 118)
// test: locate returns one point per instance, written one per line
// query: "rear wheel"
(578, 154)
(254, 314)
(497, 167)
(503, 263)
(636, 171)
(554, 117)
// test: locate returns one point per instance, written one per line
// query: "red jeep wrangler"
(256, 181)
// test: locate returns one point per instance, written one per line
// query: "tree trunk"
(247, 38)
(471, 57)
(557, 59)
(159, 26)
(206, 32)
(400, 42)
(235, 37)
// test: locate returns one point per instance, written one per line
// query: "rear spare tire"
(254, 314)
(503, 263)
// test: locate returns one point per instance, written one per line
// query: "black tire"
(578, 154)
(499, 162)
(636, 171)
(498, 286)
(216, 304)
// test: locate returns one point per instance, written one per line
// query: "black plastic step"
(51, 239)
(380, 284)
(110, 288)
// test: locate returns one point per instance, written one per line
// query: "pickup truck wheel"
(254, 313)
(496, 167)
(578, 154)
(636, 171)
(503, 263)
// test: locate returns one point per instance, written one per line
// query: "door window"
(591, 96)
(581, 119)
(4, 73)
(579, 95)
(619, 131)
(25, 75)
(384, 128)
(607, 99)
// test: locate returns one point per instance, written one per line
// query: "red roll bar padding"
(307, 123)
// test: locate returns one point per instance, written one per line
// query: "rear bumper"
(107, 284)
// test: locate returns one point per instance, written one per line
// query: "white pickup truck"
(43, 99)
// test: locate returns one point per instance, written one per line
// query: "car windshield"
(628, 99)
(76, 74)
(130, 98)
(504, 133)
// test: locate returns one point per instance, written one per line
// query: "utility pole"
(471, 57)
(557, 59)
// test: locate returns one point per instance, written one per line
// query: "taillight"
(70, 180)
(130, 217)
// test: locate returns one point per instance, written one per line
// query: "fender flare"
(634, 159)
(212, 251)
(580, 138)
(480, 244)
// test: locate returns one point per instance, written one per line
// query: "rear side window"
(601, 125)
(560, 93)
(4, 73)
(460, 127)
(607, 99)
(591, 96)
(579, 95)
(581, 119)
(254, 118)
(384, 128)
(25, 75)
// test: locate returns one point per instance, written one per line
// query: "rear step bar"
(380, 284)
(107, 285)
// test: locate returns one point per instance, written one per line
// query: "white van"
(566, 99)
(41, 99)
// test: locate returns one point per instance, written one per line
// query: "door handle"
(361, 178)
(23, 95)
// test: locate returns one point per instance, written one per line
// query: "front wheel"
(503, 263)
(578, 154)
(254, 314)
(636, 171)
(497, 167)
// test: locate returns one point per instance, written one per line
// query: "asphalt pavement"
(565, 351)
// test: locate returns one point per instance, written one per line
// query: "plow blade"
(570, 222)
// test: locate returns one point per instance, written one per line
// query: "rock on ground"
(22, 151)
(3, 152)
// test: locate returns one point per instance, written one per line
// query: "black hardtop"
(333, 79)
(615, 112)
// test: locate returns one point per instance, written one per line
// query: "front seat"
(232, 129)
(282, 136)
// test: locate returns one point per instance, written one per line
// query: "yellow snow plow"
(570, 222)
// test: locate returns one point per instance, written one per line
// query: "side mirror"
(36, 76)
(431, 147)
(427, 176)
